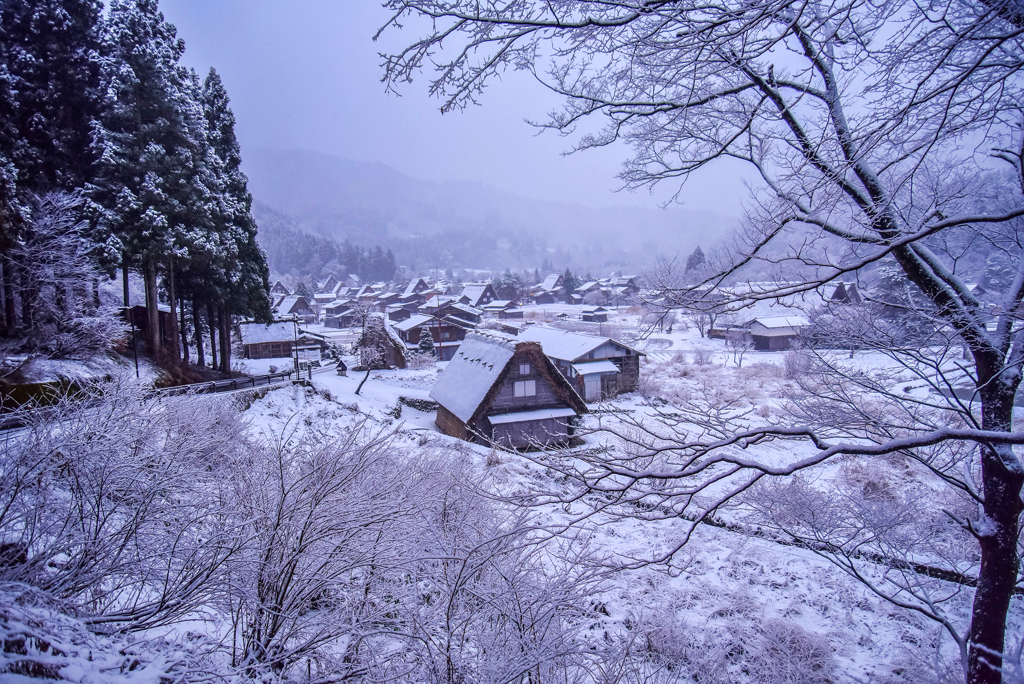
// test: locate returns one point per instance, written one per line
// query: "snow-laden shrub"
(797, 364)
(703, 356)
(419, 360)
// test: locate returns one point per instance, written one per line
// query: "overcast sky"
(306, 74)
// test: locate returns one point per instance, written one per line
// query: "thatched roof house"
(505, 391)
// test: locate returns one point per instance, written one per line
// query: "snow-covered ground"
(729, 596)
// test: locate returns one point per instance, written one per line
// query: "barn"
(776, 333)
(505, 391)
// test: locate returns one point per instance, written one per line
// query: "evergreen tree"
(49, 78)
(448, 275)
(426, 344)
(695, 260)
(569, 283)
(146, 192)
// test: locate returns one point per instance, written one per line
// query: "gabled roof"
(286, 304)
(468, 385)
(475, 292)
(412, 322)
(258, 333)
(551, 281)
(565, 345)
(472, 372)
(411, 288)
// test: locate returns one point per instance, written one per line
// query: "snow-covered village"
(511, 342)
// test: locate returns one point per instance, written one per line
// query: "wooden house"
(776, 333)
(594, 314)
(478, 294)
(273, 341)
(552, 282)
(294, 305)
(140, 318)
(415, 287)
(507, 314)
(545, 298)
(447, 335)
(597, 367)
(280, 289)
(500, 390)
(842, 293)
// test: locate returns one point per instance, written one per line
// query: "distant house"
(446, 334)
(279, 289)
(342, 313)
(842, 293)
(545, 298)
(139, 316)
(594, 314)
(552, 282)
(294, 305)
(330, 284)
(776, 333)
(478, 294)
(415, 287)
(506, 314)
(505, 391)
(597, 367)
(498, 305)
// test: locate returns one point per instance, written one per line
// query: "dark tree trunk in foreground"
(212, 325)
(1000, 562)
(183, 328)
(225, 339)
(198, 325)
(152, 310)
(172, 319)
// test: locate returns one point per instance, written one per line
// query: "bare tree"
(861, 121)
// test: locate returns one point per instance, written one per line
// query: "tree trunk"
(212, 324)
(10, 310)
(152, 311)
(184, 333)
(361, 382)
(124, 279)
(3, 296)
(27, 295)
(172, 320)
(225, 339)
(998, 538)
(198, 325)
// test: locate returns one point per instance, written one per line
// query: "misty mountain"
(463, 224)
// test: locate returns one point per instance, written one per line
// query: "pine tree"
(426, 344)
(569, 283)
(145, 192)
(49, 78)
(695, 260)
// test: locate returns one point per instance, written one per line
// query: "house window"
(526, 388)
(524, 369)
(446, 335)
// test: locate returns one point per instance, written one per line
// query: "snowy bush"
(419, 360)
(702, 356)
(797, 364)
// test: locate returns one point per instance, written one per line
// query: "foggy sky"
(306, 74)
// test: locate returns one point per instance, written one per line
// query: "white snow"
(478, 362)
(523, 416)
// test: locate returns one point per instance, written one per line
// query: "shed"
(267, 341)
(776, 333)
(594, 314)
(504, 391)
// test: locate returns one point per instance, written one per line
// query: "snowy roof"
(474, 292)
(412, 322)
(411, 287)
(562, 344)
(550, 282)
(498, 304)
(523, 416)
(258, 333)
(782, 322)
(472, 372)
(286, 304)
(592, 367)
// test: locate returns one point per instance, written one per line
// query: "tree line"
(99, 107)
